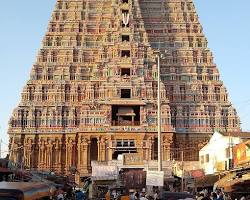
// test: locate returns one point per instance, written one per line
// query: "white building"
(217, 154)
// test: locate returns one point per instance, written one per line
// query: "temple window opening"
(125, 72)
(53, 28)
(31, 93)
(59, 5)
(38, 120)
(124, 1)
(44, 93)
(49, 41)
(72, 72)
(67, 93)
(54, 56)
(125, 53)
(50, 74)
(57, 15)
(58, 41)
(125, 38)
(61, 28)
(64, 16)
(125, 115)
(80, 27)
(75, 55)
(78, 40)
(44, 55)
(125, 93)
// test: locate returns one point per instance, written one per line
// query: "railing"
(125, 123)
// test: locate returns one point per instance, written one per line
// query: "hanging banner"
(155, 178)
(241, 154)
(104, 172)
(133, 159)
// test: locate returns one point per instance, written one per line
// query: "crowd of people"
(137, 195)
(218, 195)
(156, 195)
(71, 195)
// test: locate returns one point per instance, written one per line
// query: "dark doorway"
(93, 149)
(155, 152)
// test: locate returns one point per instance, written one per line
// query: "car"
(26, 191)
(176, 195)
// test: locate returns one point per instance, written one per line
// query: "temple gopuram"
(92, 92)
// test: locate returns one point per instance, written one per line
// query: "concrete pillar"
(85, 158)
(45, 159)
(150, 150)
(102, 150)
(110, 150)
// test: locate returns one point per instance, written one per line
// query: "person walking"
(137, 196)
(213, 196)
(131, 194)
(143, 197)
(156, 195)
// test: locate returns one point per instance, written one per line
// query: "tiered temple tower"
(92, 93)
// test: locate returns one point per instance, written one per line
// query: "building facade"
(217, 154)
(92, 92)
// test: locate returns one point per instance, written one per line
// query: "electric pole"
(182, 168)
(159, 113)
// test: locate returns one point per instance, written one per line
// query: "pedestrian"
(131, 194)
(206, 197)
(156, 195)
(79, 195)
(137, 196)
(143, 196)
(213, 196)
(221, 196)
(149, 197)
(60, 196)
(200, 196)
(243, 198)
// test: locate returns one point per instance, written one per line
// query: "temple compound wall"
(62, 152)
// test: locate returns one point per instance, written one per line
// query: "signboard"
(241, 154)
(155, 178)
(220, 166)
(197, 173)
(133, 159)
(104, 172)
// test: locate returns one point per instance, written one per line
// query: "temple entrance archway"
(93, 149)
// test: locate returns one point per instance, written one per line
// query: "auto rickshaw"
(26, 191)
(117, 193)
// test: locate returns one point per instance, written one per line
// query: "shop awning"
(206, 181)
(225, 180)
(234, 181)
